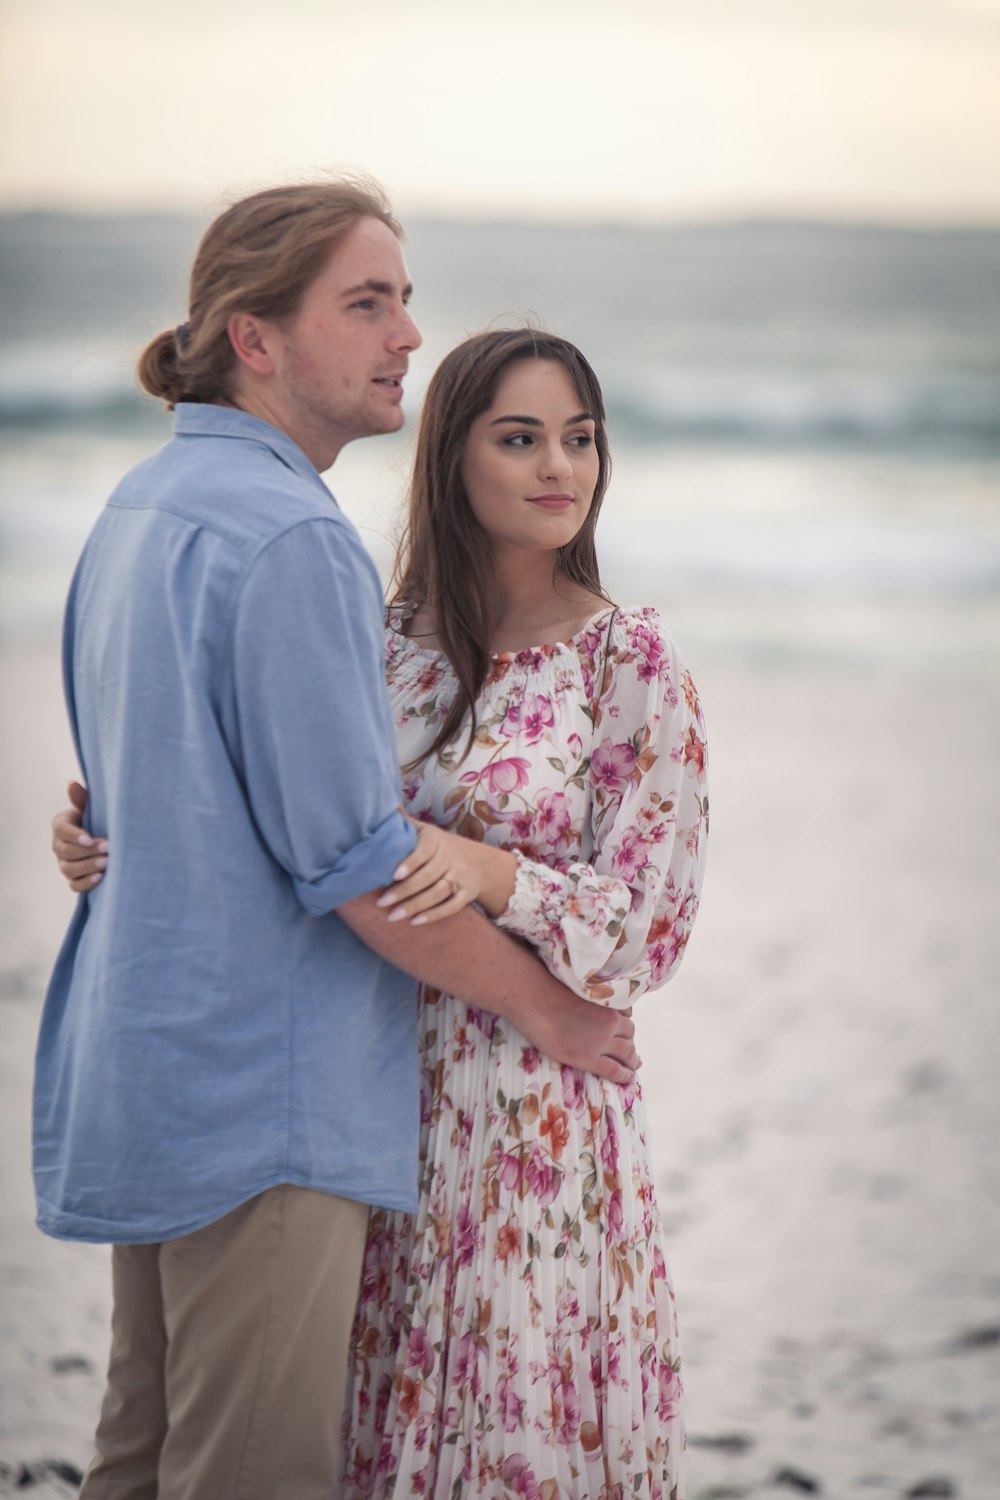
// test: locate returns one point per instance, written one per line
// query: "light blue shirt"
(212, 1028)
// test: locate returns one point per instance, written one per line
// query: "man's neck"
(258, 403)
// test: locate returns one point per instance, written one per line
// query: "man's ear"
(253, 342)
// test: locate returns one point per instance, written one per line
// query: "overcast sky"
(647, 109)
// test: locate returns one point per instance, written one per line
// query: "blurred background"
(774, 228)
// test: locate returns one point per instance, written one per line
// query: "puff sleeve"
(617, 925)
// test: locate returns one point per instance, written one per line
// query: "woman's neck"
(535, 605)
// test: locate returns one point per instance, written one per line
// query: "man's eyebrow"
(384, 288)
(581, 416)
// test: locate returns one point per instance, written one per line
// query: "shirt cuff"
(364, 867)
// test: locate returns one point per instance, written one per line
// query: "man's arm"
(466, 955)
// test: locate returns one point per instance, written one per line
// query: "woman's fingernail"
(85, 840)
(102, 846)
(397, 915)
(101, 864)
(401, 873)
(96, 879)
(385, 900)
(419, 922)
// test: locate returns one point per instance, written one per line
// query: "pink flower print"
(552, 818)
(506, 775)
(568, 1306)
(419, 1354)
(542, 1177)
(612, 765)
(465, 1235)
(527, 720)
(631, 856)
(522, 826)
(519, 1477)
(572, 1089)
(530, 1058)
(465, 1361)
(614, 1361)
(509, 1403)
(511, 1171)
(663, 956)
(616, 1216)
(671, 1391)
(650, 649)
(575, 746)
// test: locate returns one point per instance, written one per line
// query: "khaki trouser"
(229, 1355)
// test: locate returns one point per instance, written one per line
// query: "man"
(226, 1068)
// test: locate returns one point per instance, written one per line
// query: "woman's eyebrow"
(581, 416)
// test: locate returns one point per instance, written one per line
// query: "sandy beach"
(820, 1080)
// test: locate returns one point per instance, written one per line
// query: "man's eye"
(366, 302)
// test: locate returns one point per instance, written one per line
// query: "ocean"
(805, 418)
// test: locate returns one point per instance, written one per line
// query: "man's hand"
(470, 957)
(82, 859)
(584, 1035)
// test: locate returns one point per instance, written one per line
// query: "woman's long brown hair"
(444, 563)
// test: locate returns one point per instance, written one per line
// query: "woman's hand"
(442, 875)
(82, 858)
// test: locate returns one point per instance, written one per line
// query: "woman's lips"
(551, 502)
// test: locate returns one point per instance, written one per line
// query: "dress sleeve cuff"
(534, 911)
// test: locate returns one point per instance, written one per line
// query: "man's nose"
(406, 335)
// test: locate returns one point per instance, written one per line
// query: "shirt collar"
(201, 419)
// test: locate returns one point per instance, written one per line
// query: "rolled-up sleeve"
(315, 732)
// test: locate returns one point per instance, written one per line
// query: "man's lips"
(391, 382)
(551, 502)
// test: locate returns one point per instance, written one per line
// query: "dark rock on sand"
(62, 1470)
(976, 1338)
(31, 1474)
(725, 1442)
(936, 1488)
(794, 1479)
(70, 1364)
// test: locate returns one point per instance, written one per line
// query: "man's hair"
(259, 257)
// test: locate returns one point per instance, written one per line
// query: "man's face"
(342, 357)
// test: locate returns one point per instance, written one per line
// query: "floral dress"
(517, 1336)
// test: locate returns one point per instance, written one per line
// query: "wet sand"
(820, 1079)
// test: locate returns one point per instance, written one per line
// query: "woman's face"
(531, 466)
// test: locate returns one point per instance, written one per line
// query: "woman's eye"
(518, 440)
(582, 440)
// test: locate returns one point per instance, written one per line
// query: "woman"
(518, 1336)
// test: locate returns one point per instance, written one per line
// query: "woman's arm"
(469, 957)
(617, 925)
